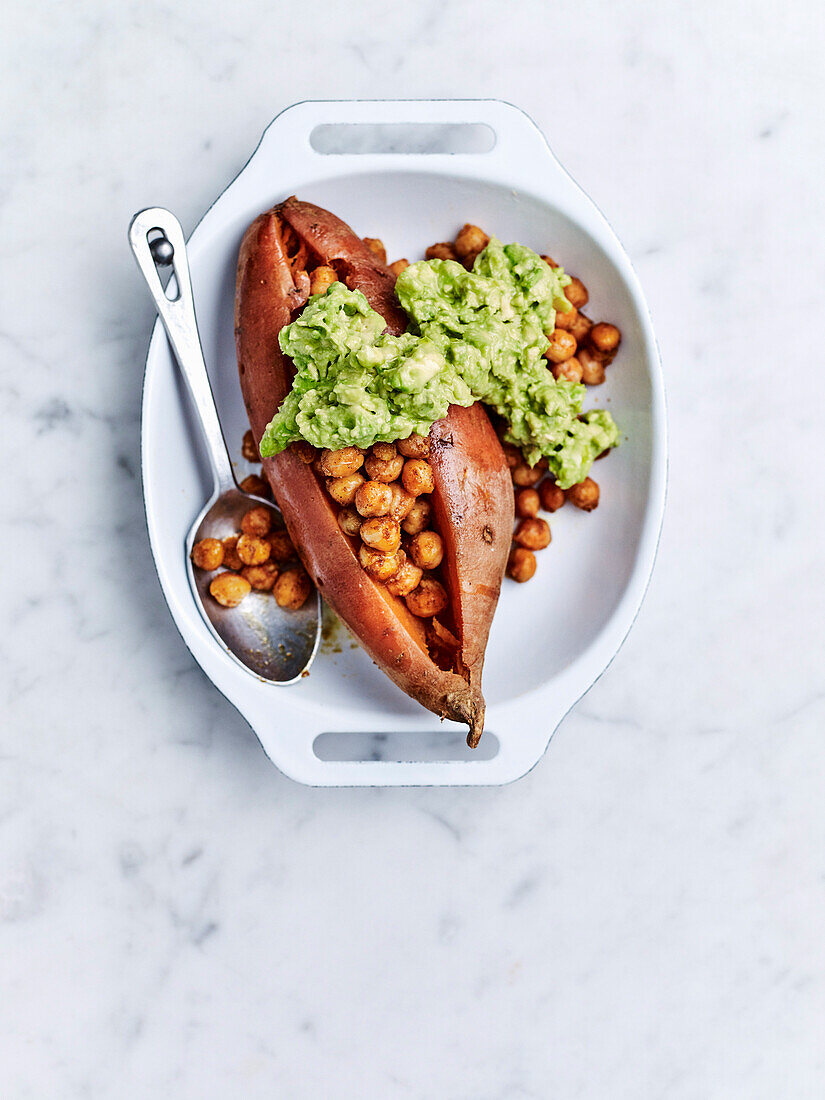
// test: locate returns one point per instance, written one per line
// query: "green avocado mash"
(355, 384)
(474, 336)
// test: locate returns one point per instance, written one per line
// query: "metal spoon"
(273, 644)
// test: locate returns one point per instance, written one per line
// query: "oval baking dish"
(551, 638)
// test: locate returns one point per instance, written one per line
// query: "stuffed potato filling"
(381, 499)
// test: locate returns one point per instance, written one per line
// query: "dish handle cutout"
(407, 138)
(403, 747)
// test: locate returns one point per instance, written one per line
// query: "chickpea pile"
(382, 497)
(580, 350)
(536, 490)
(258, 557)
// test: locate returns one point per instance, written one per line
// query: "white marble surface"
(642, 915)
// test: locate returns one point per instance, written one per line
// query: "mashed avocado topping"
(356, 385)
(474, 336)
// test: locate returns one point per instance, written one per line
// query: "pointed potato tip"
(467, 707)
(476, 730)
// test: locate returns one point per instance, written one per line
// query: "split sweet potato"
(472, 499)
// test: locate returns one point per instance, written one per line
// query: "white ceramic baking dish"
(551, 638)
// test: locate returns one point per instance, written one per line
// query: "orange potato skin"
(473, 496)
(474, 508)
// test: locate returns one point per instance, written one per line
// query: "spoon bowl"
(275, 644)
(271, 641)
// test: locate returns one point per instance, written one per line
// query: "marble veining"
(642, 915)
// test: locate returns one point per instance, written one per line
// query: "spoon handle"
(178, 316)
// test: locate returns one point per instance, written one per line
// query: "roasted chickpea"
(343, 462)
(527, 503)
(257, 521)
(261, 577)
(568, 371)
(255, 486)
(376, 245)
(470, 239)
(381, 533)
(585, 495)
(280, 545)
(207, 554)
(252, 550)
(524, 476)
(229, 589)
(414, 446)
(550, 261)
(562, 346)
(521, 565)
(349, 521)
(427, 550)
(305, 451)
(380, 566)
(576, 293)
(533, 534)
(605, 337)
(397, 266)
(552, 497)
(441, 251)
(230, 553)
(592, 367)
(373, 498)
(567, 321)
(343, 489)
(581, 328)
(402, 502)
(249, 448)
(417, 477)
(321, 279)
(418, 518)
(385, 451)
(405, 580)
(292, 588)
(383, 469)
(428, 599)
(512, 455)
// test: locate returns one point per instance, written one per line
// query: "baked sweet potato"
(472, 499)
